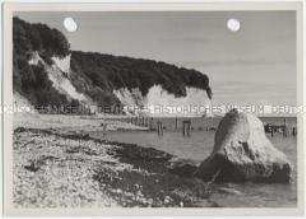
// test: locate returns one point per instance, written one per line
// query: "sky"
(256, 65)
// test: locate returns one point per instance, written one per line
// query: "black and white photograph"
(155, 109)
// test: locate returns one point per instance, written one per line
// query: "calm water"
(199, 146)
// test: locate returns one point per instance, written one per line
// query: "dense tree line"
(38, 37)
(110, 72)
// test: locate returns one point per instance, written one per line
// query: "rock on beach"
(242, 152)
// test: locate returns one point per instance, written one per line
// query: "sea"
(198, 147)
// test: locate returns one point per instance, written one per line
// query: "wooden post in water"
(133, 120)
(104, 129)
(176, 123)
(187, 128)
(150, 124)
(272, 132)
(160, 130)
(285, 129)
(146, 121)
(294, 132)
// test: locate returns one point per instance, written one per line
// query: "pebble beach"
(56, 166)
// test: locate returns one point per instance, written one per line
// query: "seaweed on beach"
(151, 183)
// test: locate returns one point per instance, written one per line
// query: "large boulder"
(242, 152)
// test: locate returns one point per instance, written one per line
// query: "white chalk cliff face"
(63, 84)
(131, 100)
(159, 103)
(63, 63)
(35, 59)
(59, 73)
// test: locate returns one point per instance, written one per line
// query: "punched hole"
(70, 24)
(233, 24)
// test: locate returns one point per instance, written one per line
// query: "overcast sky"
(255, 65)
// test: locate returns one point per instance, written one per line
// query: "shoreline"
(53, 168)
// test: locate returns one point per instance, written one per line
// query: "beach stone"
(20, 129)
(242, 152)
(182, 167)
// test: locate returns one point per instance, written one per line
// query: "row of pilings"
(283, 129)
(186, 126)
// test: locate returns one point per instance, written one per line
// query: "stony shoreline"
(56, 168)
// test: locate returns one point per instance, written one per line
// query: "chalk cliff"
(47, 71)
